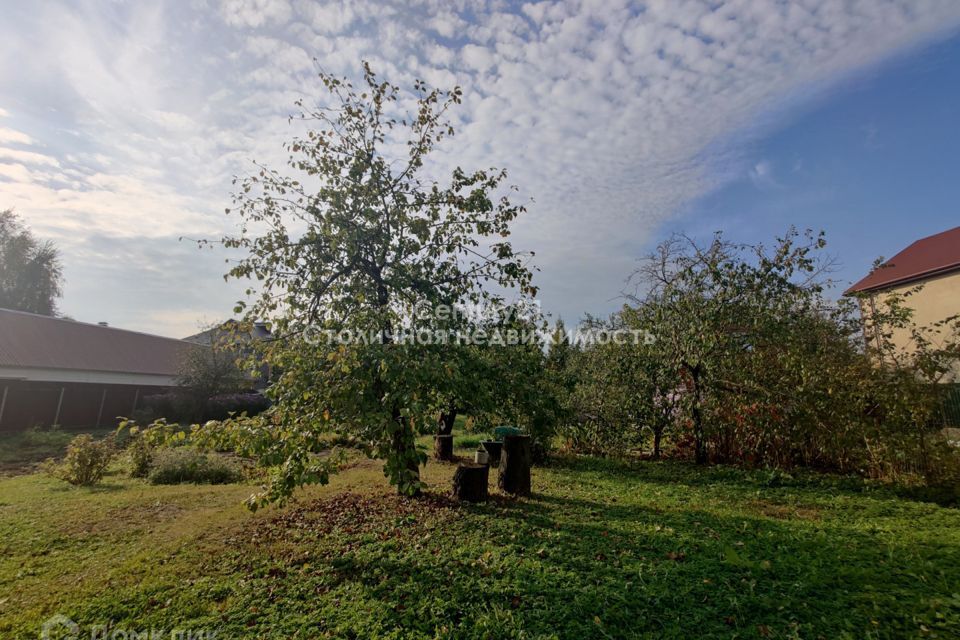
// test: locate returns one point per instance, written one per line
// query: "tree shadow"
(591, 569)
(103, 487)
(687, 474)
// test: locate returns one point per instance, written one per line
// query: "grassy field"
(602, 550)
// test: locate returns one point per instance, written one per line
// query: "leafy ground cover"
(602, 550)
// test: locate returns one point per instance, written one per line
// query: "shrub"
(181, 406)
(174, 406)
(86, 460)
(141, 457)
(39, 437)
(220, 407)
(184, 465)
(943, 463)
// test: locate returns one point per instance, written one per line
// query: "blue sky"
(122, 124)
(875, 164)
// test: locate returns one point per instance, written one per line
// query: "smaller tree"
(214, 368)
(31, 275)
(624, 386)
(651, 375)
(714, 306)
(207, 371)
(907, 376)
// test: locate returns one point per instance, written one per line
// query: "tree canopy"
(31, 275)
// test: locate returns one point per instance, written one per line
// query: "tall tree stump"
(470, 482)
(515, 461)
(443, 447)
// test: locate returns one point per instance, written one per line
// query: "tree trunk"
(657, 435)
(405, 448)
(701, 446)
(447, 419)
(470, 482)
(443, 443)
(515, 460)
(443, 447)
(701, 449)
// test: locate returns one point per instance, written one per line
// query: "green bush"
(141, 457)
(468, 442)
(86, 460)
(37, 437)
(184, 465)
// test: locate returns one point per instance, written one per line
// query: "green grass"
(462, 439)
(20, 452)
(602, 550)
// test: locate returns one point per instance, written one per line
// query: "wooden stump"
(515, 460)
(470, 482)
(443, 447)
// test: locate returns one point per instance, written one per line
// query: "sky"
(123, 123)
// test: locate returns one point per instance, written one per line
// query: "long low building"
(55, 371)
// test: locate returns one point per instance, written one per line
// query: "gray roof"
(33, 341)
(230, 332)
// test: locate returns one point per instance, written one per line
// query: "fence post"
(56, 418)
(3, 402)
(103, 399)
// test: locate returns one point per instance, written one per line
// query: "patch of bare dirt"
(355, 513)
(122, 518)
(12, 469)
(786, 511)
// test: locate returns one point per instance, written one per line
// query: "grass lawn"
(602, 550)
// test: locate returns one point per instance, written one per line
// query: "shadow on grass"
(584, 557)
(681, 473)
(582, 568)
(103, 487)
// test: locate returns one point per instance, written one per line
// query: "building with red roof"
(929, 270)
(926, 259)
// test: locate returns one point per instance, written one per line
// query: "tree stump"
(443, 447)
(470, 482)
(515, 461)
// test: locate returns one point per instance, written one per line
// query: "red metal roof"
(933, 255)
(35, 341)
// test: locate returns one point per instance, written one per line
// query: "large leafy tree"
(31, 275)
(353, 240)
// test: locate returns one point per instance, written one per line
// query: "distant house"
(231, 332)
(237, 338)
(73, 374)
(933, 262)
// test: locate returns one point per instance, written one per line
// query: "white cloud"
(27, 157)
(328, 17)
(611, 115)
(8, 136)
(762, 175)
(16, 173)
(478, 58)
(254, 13)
